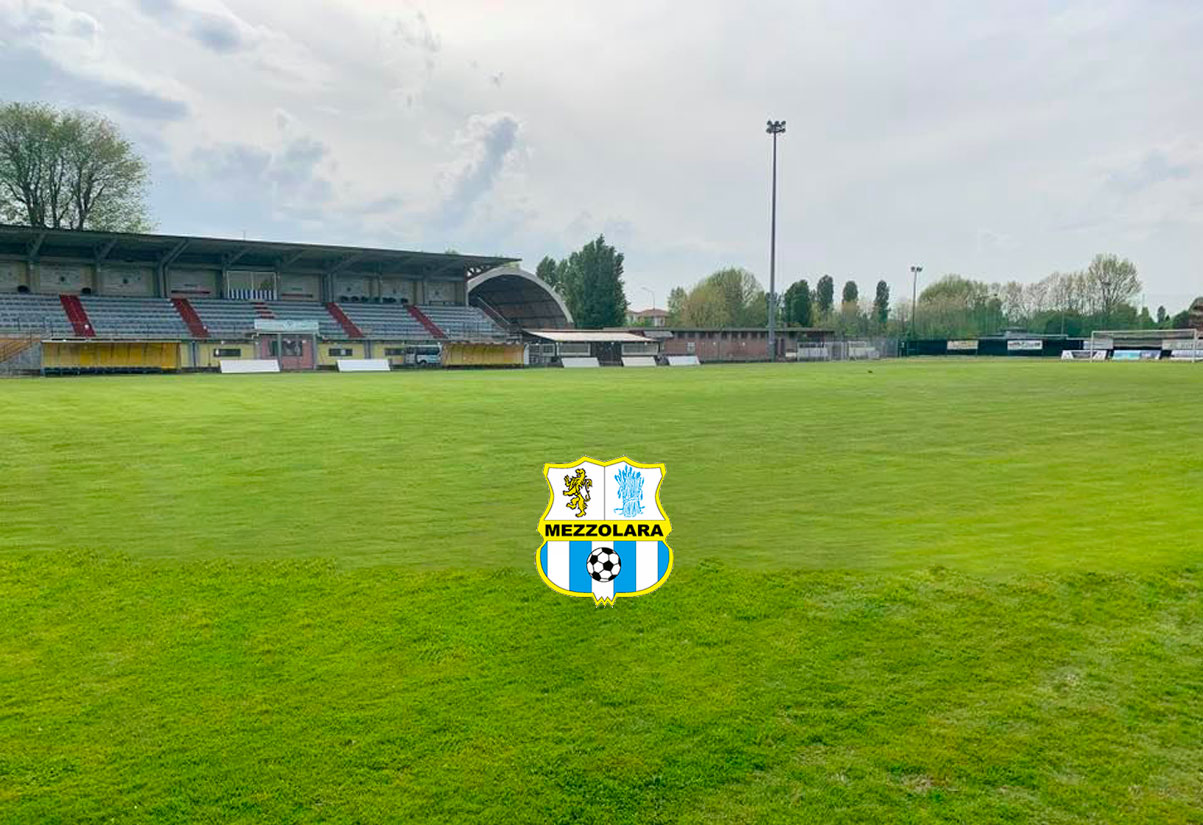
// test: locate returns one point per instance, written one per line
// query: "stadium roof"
(521, 297)
(587, 336)
(33, 243)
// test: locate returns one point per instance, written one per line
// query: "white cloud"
(486, 144)
(54, 50)
(997, 139)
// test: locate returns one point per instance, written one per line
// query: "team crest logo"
(604, 530)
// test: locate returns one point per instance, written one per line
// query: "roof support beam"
(161, 267)
(34, 246)
(175, 252)
(233, 258)
(289, 260)
(345, 262)
(398, 267)
(446, 269)
(102, 252)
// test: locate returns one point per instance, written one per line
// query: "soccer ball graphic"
(604, 564)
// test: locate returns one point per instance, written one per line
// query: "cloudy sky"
(999, 140)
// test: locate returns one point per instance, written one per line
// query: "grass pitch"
(910, 591)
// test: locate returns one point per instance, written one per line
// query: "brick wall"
(718, 345)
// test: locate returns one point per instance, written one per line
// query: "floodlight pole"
(774, 128)
(915, 270)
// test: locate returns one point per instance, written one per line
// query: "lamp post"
(915, 270)
(774, 128)
(653, 292)
(651, 320)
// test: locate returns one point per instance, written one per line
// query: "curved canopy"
(521, 297)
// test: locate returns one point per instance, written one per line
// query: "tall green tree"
(798, 308)
(956, 307)
(730, 297)
(851, 293)
(825, 295)
(804, 310)
(591, 283)
(676, 304)
(548, 271)
(66, 169)
(881, 303)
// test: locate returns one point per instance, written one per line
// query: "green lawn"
(922, 591)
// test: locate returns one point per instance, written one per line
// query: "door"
(294, 352)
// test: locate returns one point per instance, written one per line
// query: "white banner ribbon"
(603, 592)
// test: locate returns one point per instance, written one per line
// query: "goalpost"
(1147, 344)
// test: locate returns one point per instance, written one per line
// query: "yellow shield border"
(551, 501)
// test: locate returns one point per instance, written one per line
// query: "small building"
(647, 317)
(740, 343)
(550, 347)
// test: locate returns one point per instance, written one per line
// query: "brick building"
(739, 344)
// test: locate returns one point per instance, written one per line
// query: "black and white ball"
(604, 564)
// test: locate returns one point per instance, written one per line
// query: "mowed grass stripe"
(989, 466)
(153, 691)
(906, 592)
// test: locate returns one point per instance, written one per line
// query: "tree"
(851, 319)
(851, 292)
(1036, 297)
(1112, 282)
(881, 303)
(1013, 303)
(676, 304)
(548, 271)
(592, 285)
(69, 170)
(825, 295)
(1162, 316)
(1067, 292)
(727, 298)
(798, 309)
(956, 307)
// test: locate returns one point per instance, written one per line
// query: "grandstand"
(386, 321)
(225, 319)
(141, 318)
(195, 302)
(36, 314)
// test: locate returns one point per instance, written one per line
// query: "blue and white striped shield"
(604, 530)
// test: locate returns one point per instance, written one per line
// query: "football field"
(908, 591)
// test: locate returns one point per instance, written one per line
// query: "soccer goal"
(1147, 344)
